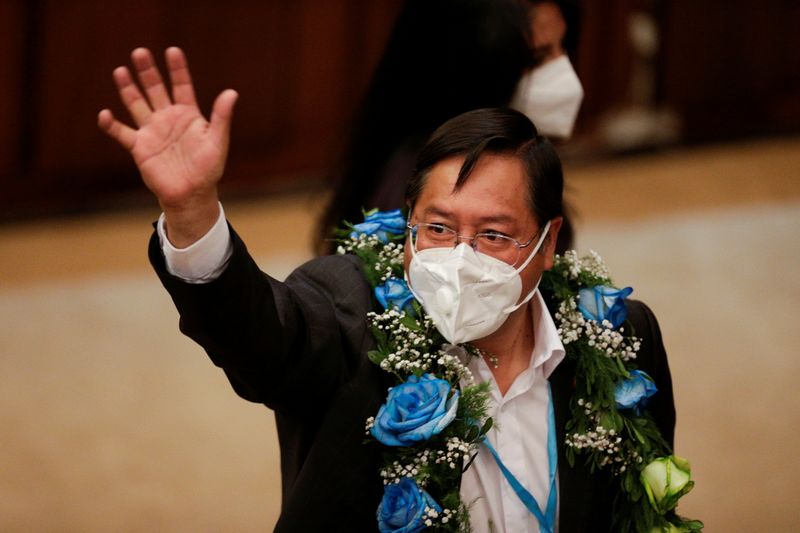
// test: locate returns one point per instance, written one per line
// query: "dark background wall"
(721, 69)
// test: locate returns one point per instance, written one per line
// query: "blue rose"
(403, 508)
(381, 223)
(634, 392)
(415, 411)
(395, 293)
(604, 303)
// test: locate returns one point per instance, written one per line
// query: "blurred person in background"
(445, 57)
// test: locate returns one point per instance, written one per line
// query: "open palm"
(180, 155)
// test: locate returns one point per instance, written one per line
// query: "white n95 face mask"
(550, 95)
(467, 294)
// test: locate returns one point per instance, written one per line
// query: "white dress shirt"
(519, 433)
(202, 261)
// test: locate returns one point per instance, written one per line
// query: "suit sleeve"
(287, 345)
(652, 358)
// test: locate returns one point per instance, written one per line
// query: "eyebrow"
(432, 210)
(497, 219)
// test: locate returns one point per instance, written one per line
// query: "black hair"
(444, 57)
(496, 131)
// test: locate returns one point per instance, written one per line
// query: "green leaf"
(376, 356)
(487, 425)
(627, 483)
(411, 323)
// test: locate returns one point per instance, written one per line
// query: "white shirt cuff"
(202, 261)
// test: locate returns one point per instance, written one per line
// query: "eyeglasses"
(497, 245)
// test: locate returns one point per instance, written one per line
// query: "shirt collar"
(548, 350)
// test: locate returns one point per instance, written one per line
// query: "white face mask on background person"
(550, 95)
(467, 294)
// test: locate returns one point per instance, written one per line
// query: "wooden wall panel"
(604, 58)
(11, 42)
(299, 66)
(247, 46)
(729, 67)
(73, 48)
(732, 68)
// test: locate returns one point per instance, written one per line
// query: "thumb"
(222, 116)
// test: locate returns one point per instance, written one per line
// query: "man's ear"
(550, 241)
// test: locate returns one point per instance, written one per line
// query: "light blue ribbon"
(546, 518)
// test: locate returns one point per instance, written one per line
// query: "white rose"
(665, 480)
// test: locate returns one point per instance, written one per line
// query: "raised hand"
(180, 155)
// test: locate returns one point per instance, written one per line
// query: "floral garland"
(435, 418)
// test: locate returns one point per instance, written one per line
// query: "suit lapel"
(562, 385)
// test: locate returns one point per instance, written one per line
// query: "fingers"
(130, 95)
(181, 80)
(150, 78)
(222, 116)
(123, 134)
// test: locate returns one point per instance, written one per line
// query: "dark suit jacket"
(300, 347)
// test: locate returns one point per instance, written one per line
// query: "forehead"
(497, 187)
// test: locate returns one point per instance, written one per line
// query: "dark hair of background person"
(497, 131)
(443, 57)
